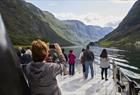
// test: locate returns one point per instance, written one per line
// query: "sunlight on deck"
(77, 85)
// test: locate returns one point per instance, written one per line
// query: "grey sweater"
(42, 77)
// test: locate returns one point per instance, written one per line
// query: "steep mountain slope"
(60, 28)
(76, 31)
(24, 23)
(86, 32)
(128, 32)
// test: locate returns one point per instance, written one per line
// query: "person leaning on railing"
(41, 75)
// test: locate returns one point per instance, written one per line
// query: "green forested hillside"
(24, 22)
(128, 31)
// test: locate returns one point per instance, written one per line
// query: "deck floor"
(77, 85)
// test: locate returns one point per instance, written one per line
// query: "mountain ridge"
(25, 22)
(128, 31)
(88, 32)
(25, 25)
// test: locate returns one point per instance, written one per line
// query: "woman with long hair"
(104, 63)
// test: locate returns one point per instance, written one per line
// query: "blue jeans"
(83, 68)
(87, 65)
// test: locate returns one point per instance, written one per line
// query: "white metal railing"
(125, 85)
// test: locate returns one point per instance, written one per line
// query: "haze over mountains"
(128, 31)
(25, 22)
(86, 33)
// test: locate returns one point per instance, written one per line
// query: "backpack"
(82, 60)
(88, 55)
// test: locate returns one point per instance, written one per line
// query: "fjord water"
(127, 59)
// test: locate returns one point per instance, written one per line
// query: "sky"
(91, 12)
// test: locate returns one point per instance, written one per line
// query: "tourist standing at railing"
(41, 74)
(104, 63)
(81, 61)
(88, 58)
(71, 60)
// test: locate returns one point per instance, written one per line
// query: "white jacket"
(104, 62)
(81, 54)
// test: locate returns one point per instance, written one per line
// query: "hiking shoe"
(106, 79)
(65, 74)
(86, 77)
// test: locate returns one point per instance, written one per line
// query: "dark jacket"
(25, 59)
(65, 55)
(88, 55)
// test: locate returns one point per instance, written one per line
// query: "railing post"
(132, 88)
(114, 70)
(113, 64)
(118, 75)
(137, 89)
(120, 79)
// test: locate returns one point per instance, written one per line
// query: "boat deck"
(77, 85)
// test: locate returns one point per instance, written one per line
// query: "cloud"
(91, 19)
(53, 4)
(124, 1)
(113, 24)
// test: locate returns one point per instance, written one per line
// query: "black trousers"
(84, 69)
(71, 69)
(102, 72)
